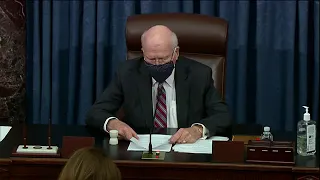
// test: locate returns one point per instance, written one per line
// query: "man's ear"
(175, 55)
(177, 52)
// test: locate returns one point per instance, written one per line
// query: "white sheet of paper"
(219, 138)
(4, 130)
(159, 143)
(199, 147)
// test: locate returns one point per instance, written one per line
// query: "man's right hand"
(124, 130)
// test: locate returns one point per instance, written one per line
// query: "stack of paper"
(159, 143)
(199, 147)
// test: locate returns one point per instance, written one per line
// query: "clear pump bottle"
(306, 135)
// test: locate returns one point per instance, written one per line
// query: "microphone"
(150, 144)
(150, 155)
(151, 127)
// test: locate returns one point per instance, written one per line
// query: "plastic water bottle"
(266, 135)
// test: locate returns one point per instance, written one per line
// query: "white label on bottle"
(311, 138)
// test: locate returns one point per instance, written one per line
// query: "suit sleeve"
(106, 105)
(218, 119)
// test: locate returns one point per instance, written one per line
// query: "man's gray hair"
(174, 39)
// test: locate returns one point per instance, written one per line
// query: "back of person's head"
(90, 164)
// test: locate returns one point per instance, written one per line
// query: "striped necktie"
(160, 119)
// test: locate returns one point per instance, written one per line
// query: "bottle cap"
(266, 128)
(306, 115)
(113, 141)
(113, 133)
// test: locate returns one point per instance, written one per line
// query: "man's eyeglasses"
(160, 60)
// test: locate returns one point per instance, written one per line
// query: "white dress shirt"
(169, 86)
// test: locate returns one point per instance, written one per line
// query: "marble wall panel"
(12, 60)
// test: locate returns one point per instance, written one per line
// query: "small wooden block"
(36, 151)
(154, 156)
(271, 152)
(228, 151)
(70, 144)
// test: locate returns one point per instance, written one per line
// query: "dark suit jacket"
(197, 99)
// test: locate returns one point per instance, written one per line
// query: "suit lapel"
(182, 92)
(145, 94)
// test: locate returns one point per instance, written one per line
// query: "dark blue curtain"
(73, 48)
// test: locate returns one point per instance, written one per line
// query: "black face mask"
(160, 72)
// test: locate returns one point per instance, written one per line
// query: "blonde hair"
(90, 164)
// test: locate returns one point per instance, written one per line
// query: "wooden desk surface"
(175, 165)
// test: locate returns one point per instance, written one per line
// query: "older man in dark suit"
(162, 90)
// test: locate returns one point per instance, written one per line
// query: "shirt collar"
(169, 80)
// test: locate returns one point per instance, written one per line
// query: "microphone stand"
(150, 155)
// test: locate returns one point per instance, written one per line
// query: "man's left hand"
(186, 135)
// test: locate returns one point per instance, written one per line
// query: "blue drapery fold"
(74, 48)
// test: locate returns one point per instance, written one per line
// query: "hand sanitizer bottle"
(306, 135)
(266, 135)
